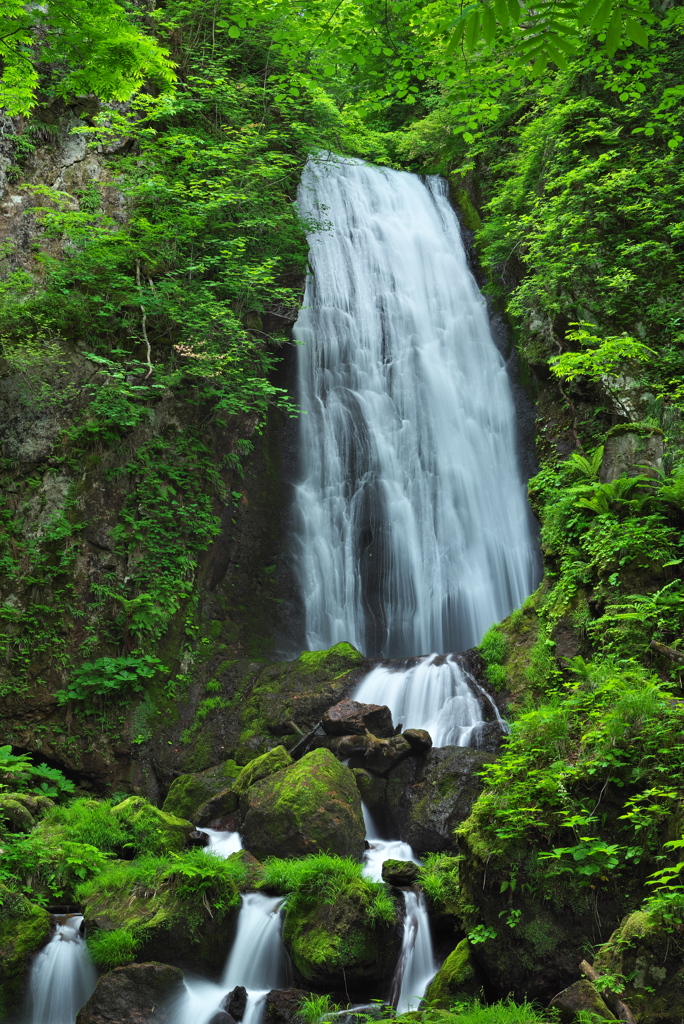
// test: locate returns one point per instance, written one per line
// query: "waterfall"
(417, 966)
(222, 844)
(412, 527)
(62, 977)
(433, 693)
(257, 961)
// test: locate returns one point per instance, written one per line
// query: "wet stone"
(235, 1003)
(400, 872)
(349, 718)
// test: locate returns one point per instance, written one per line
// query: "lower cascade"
(417, 966)
(62, 977)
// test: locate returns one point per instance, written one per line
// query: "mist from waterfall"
(412, 530)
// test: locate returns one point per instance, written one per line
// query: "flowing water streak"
(412, 527)
(417, 966)
(257, 961)
(62, 976)
(221, 844)
(433, 693)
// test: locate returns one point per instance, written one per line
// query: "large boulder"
(171, 833)
(20, 810)
(457, 980)
(311, 807)
(261, 767)
(646, 953)
(376, 755)
(428, 796)
(580, 997)
(337, 946)
(400, 872)
(137, 994)
(349, 718)
(24, 930)
(189, 793)
(632, 450)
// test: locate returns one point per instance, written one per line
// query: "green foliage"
(114, 948)
(17, 772)
(119, 677)
(321, 878)
(314, 1009)
(89, 47)
(439, 879)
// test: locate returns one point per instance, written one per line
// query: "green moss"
(340, 658)
(261, 767)
(642, 428)
(189, 792)
(471, 218)
(456, 980)
(166, 832)
(24, 929)
(113, 949)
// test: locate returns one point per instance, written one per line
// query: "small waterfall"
(416, 967)
(62, 977)
(412, 530)
(257, 961)
(433, 693)
(222, 844)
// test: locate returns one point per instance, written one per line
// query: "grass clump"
(322, 878)
(439, 879)
(113, 949)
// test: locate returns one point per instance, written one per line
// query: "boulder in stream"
(311, 807)
(427, 797)
(457, 980)
(189, 793)
(136, 994)
(400, 872)
(349, 718)
(235, 1003)
(282, 1005)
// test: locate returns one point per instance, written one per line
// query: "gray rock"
(136, 994)
(632, 452)
(427, 797)
(282, 1005)
(581, 996)
(235, 1002)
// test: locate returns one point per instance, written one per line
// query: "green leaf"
(589, 11)
(472, 30)
(456, 38)
(614, 33)
(636, 32)
(488, 25)
(502, 13)
(515, 11)
(234, 32)
(539, 65)
(600, 19)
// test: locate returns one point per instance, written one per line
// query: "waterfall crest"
(412, 528)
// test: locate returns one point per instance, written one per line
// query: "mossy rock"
(333, 945)
(20, 810)
(191, 931)
(311, 807)
(457, 980)
(188, 793)
(647, 953)
(580, 998)
(340, 658)
(260, 768)
(24, 930)
(172, 833)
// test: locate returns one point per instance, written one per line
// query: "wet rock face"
(235, 1002)
(311, 807)
(137, 994)
(189, 793)
(349, 718)
(581, 996)
(427, 797)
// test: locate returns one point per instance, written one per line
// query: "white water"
(257, 961)
(413, 532)
(417, 966)
(433, 693)
(222, 844)
(62, 977)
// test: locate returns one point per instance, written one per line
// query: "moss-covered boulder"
(337, 944)
(311, 807)
(171, 833)
(21, 810)
(580, 998)
(457, 980)
(429, 796)
(261, 767)
(24, 929)
(648, 954)
(138, 992)
(177, 910)
(189, 793)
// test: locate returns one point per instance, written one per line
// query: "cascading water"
(221, 844)
(257, 961)
(413, 532)
(417, 966)
(62, 977)
(433, 693)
